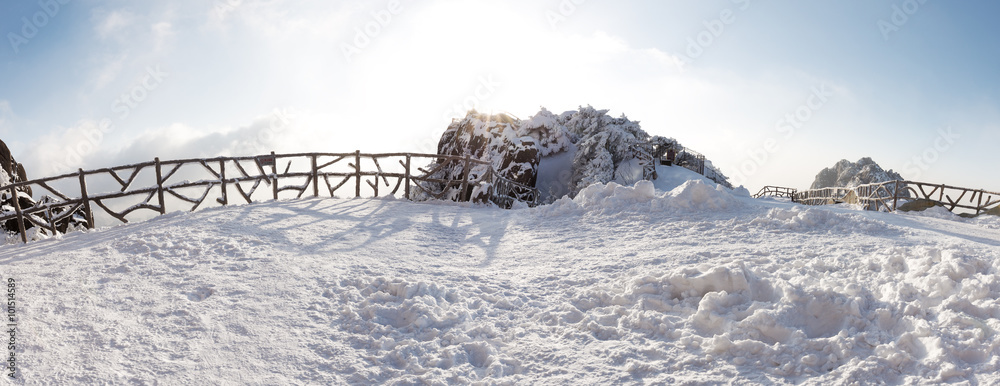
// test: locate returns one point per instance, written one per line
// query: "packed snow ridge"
(668, 281)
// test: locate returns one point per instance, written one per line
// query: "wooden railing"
(325, 173)
(643, 151)
(822, 196)
(888, 196)
(776, 191)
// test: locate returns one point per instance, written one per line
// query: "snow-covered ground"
(687, 283)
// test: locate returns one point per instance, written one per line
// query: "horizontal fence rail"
(889, 196)
(237, 179)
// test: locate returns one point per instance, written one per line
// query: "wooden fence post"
(491, 194)
(465, 179)
(895, 196)
(48, 216)
(222, 173)
(159, 186)
(274, 173)
(20, 215)
(86, 200)
(979, 203)
(315, 177)
(357, 173)
(406, 177)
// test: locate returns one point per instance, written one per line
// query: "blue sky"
(771, 91)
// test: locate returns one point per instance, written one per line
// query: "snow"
(668, 281)
(548, 131)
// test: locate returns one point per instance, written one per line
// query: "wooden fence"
(776, 191)
(326, 173)
(888, 196)
(643, 151)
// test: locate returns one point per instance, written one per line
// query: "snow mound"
(934, 309)
(690, 196)
(670, 177)
(699, 196)
(733, 315)
(805, 219)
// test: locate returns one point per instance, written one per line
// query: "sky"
(770, 91)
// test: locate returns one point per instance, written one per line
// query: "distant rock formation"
(850, 174)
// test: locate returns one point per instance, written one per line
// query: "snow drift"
(620, 284)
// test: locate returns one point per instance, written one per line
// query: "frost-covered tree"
(661, 144)
(603, 143)
(548, 131)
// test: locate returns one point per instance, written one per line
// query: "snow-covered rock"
(574, 149)
(10, 170)
(548, 131)
(13, 172)
(850, 174)
(493, 139)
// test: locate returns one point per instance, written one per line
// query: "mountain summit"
(849, 174)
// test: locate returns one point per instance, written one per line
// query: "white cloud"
(109, 71)
(162, 32)
(112, 24)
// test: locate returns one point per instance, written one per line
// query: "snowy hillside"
(618, 285)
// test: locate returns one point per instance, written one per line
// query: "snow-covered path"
(622, 284)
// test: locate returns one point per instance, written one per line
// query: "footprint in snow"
(200, 294)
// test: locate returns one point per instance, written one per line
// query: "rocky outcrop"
(13, 172)
(584, 147)
(493, 139)
(850, 174)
